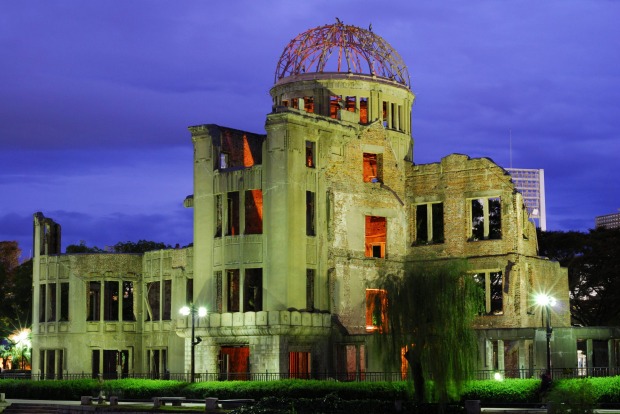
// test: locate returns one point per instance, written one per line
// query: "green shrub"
(502, 392)
(573, 396)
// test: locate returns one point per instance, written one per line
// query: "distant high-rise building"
(608, 221)
(531, 184)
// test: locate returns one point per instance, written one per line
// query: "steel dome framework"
(347, 49)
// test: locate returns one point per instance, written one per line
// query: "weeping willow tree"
(429, 313)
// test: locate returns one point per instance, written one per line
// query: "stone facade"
(291, 229)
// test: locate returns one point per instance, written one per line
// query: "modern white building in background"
(531, 184)
(608, 221)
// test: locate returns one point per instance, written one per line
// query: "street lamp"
(547, 301)
(201, 312)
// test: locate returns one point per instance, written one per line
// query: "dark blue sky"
(96, 97)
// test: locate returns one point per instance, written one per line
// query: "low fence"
(559, 373)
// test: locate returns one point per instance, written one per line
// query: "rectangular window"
(96, 358)
(310, 214)
(486, 219)
(334, 105)
(232, 285)
(51, 295)
(157, 362)
(295, 103)
(128, 313)
(224, 160)
(110, 301)
(384, 114)
(64, 301)
(310, 151)
(218, 215)
(350, 103)
(492, 284)
(94, 301)
(42, 302)
(253, 290)
(372, 168)
(299, 364)
(254, 212)
(218, 291)
(429, 223)
(376, 307)
(189, 291)
(309, 290)
(152, 293)
(233, 214)
(376, 236)
(167, 305)
(309, 104)
(363, 110)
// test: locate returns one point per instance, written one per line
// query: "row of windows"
(485, 220)
(253, 210)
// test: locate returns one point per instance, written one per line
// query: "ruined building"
(291, 228)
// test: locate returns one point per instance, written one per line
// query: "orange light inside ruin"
(248, 159)
(370, 167)
(376, 306)
(376, 236)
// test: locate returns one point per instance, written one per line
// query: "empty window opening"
(429, 223)
(167, 301)
(376, 308)
(372, 168)
(299, 364)
(310, 154)
(295, 103)
(491, 283)
(110, 301)
(51, 294)
(115, 362)
(42, 302)
(310, 290)
(248, 157)
(218, 215)
(350, 103)
(93, 301)
(189, 290)
(309, 104)
(384, 114)
(285, 102)
(218, 291)
(376, 236)
(254, 212)
(350, 362)
(334, 105)
(394, 116)
(234, 362)
(95, 362)
(51, 363)
(486, 219)
(364, 110)
(152, 293)
(64, 301)
(253, 290)
(232, 212)
(128, 309)
(232, 285)
(224, 160)
(157, 363)
(310, 213)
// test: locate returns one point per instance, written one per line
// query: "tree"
(430, 312)
(142, 246)
(593, 262)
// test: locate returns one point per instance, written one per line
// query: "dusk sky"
(96, 97)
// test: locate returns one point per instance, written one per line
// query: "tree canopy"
(430, 312)
(593, 262)
(141, 246)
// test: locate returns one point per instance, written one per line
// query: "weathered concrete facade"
(291, 229)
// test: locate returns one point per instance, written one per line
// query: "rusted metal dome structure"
(341, 48)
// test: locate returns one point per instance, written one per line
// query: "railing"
(559, 373)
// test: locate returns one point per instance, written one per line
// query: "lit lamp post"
(547, 301)
(201, 312)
